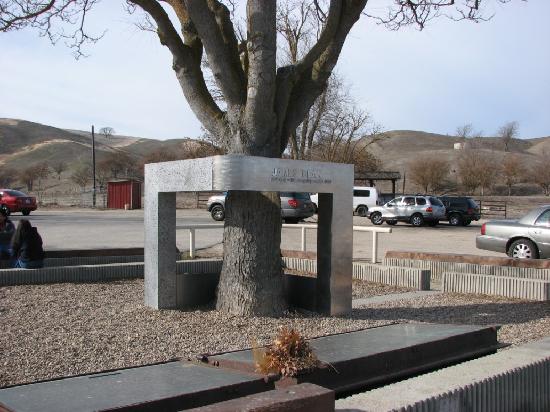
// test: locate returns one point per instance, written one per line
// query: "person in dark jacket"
(27, 247)
(6, 233)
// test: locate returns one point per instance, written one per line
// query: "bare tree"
(429, 172)
(464, 132)
(42, 171)
(102, 174)
(59, 167)
(263, 104)
(540, 172)
(298, 25)
(513, 171)
(82, 176)
(107, 132)
(121, 164)
(194, 150)
(477, 168)
(161, 155)
(487, 171)
(7, 176)
(343, 132)
(27, 176)
(468, 164)
(507, 134)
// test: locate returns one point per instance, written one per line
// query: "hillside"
(404, 146)
(24, 144)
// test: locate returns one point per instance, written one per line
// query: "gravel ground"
(67, 329)
(362, 289)
(522, 321)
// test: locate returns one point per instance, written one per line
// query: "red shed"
(124, 192)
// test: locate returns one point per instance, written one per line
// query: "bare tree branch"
(420, 12)
(42, 14)
(188, 70)
(212, 22)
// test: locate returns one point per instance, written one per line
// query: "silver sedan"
(526, 238)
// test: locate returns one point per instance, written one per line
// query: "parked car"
(295, 206)
(526, 238)
(364, 197)
(15, 201)
(415, 210)
(460, 210)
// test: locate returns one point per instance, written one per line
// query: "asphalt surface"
(96, 229)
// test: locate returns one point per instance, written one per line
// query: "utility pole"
(93, 166)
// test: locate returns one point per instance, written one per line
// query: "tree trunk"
(251, 280)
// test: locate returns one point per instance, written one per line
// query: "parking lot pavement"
(90, 229)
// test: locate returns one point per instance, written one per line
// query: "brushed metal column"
(335, 252)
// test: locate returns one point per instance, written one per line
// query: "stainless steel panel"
(238, 172)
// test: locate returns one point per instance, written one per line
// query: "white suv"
(364, 197)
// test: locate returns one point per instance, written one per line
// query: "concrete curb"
(437, 268)
(512, 380)
(512, 287)
(357, 303)
(391, 275)
(97, 273)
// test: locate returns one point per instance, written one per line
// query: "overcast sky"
(449, 74)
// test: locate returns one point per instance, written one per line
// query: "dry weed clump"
(289, 355)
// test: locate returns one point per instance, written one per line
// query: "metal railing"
(492, 207)
(302, 227)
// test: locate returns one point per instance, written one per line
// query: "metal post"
(303, 239)
(192, 243)
(93, 166)
(374, 246)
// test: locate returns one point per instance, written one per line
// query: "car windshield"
(15, 193)
(435, 202)
(394, 201)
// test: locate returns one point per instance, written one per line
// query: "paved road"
(86, 229)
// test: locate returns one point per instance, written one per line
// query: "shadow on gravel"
(481, 314)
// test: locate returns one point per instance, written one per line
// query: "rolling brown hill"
(24, 143)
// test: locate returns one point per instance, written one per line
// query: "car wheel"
(26, 212)
(417, 220)
(362, 211)
(391, 222)
(455, 220)
(5, 209)
(376, 218)
(218, 213)
(523, 249)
